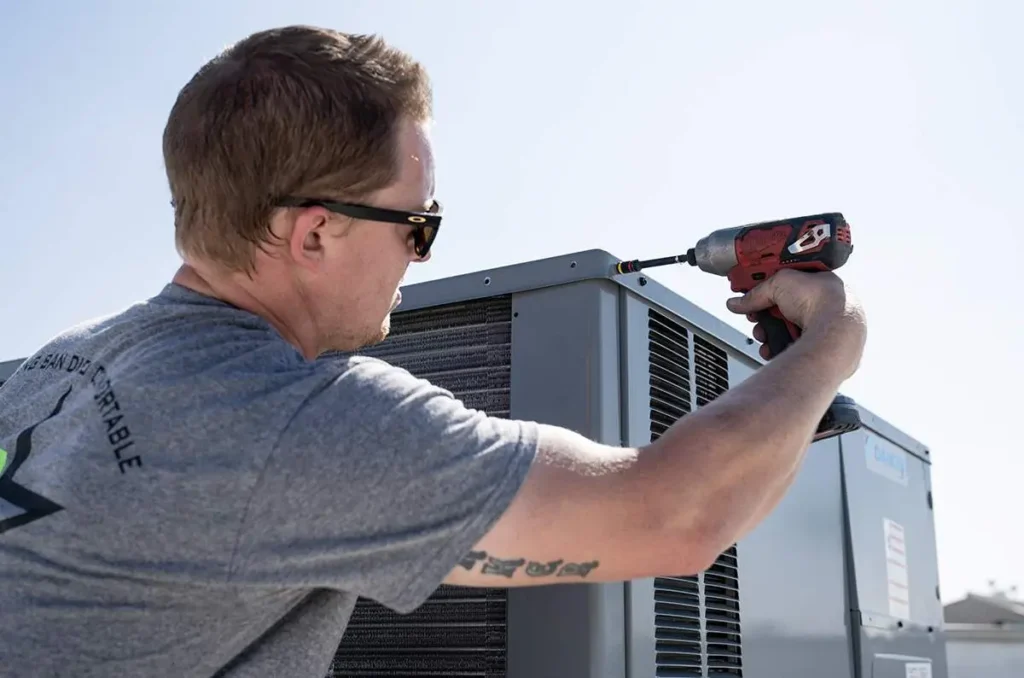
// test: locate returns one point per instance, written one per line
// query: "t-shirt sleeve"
(379, 485)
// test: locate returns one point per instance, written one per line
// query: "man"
(191, 487)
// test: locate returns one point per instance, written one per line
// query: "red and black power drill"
(750, 254)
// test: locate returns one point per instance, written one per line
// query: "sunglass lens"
(424, 239)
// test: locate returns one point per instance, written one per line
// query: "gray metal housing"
(813, 580)
(7, 368)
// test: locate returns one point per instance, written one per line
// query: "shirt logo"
(34, 506)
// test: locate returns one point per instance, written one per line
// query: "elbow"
(697, 550)
(681, 556)
(686, 550)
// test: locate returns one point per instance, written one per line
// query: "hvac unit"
(7, 368)
(840, 581)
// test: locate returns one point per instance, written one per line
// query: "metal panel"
(565, 353)
(7, 368)
(793, 592)
(895, 605)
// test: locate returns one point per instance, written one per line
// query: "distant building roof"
(980, 609)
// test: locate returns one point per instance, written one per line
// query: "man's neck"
(186, 276)
(238, 296)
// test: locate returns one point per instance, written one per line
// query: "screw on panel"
(642, 280)
(572, 265)
(487, 280)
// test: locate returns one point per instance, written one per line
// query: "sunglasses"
(426, 223)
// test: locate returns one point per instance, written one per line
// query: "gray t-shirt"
(182, 494)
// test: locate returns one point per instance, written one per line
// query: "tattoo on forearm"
(577, 569)
(535, 569)
(507, 567)
(501, 567)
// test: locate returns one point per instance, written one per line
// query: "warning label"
(896, 570)
(919, 670)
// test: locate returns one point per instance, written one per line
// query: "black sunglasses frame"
(426, 224)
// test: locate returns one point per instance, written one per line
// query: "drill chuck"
(639, 264)
(715, 253)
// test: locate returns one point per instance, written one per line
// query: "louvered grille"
(677, 627)
(467, 349)
(457, 632)
(722, 616)
(711, 367)
(669, 371)
(696, 619)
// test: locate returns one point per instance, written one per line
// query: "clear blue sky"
(636, 128)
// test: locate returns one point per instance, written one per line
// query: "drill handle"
(779, 332)
(842, 415)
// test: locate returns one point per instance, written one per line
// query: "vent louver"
(711, 366)
(696, 619)
(465, 348)
(669, 371)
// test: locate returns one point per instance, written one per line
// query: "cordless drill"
(752, 253)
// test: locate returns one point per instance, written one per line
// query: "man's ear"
(307, 235)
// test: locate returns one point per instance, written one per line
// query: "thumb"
(757, 299)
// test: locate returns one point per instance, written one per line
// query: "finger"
(759, 333)
(757, 299)
(765, 352)
(752, 317)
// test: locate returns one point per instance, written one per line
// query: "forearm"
(720, 470)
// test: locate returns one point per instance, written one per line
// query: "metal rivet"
(642, 280)
(487, 281)
(572, 265)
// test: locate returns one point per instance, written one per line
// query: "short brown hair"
(293, 110)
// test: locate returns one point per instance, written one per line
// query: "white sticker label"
(896, 570)
(887, 460)
(919, 670)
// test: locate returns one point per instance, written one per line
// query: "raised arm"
(589, 512)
